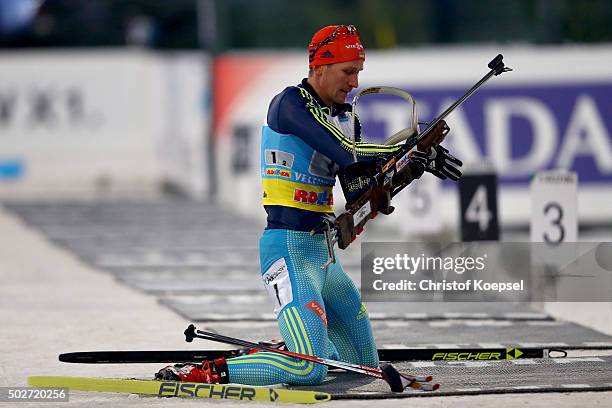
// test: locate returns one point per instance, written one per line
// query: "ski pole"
(397, 381)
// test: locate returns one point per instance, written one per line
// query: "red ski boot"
(208, 372)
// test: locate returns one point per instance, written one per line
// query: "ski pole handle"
(190, 333)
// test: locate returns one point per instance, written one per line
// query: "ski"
(384, 354)
(148, 356)
(468, 354)
(180, 389)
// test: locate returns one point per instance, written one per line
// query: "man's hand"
(411, 171)
(439, 162)
(435, 137)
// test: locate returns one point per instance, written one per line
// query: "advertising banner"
(552, 112)
(95, 122)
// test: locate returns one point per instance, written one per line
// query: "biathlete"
(310, 138)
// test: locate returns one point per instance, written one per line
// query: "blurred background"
(241, 24)
(130, 129)
(110, 98)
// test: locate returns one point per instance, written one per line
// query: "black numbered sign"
(241, 149)
(478, 197)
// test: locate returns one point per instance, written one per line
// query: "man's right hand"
(413, 170)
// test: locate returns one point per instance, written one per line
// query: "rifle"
(345, 228)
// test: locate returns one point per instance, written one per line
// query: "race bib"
(278, 285)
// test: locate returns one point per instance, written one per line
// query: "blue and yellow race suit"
(319, 311)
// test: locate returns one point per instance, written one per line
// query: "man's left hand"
(435, 137)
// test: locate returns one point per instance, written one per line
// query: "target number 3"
(555, 212)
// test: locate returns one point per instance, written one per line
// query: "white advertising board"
(185, 123)
(94, 122)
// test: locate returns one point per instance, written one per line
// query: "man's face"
(338, 80)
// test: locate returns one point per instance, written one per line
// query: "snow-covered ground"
(50, 302)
